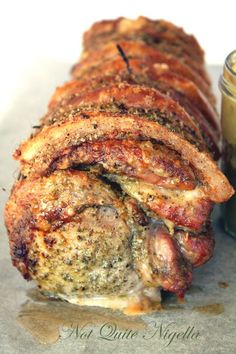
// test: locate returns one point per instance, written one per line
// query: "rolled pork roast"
(118, 181)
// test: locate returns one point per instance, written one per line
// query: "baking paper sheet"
(29, 323)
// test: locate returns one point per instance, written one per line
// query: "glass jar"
(227, 84)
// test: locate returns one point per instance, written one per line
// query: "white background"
(37, 34)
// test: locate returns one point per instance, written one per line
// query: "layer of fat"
(147, 300)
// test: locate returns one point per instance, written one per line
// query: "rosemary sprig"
(124, 57)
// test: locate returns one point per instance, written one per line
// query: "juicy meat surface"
(61, 219)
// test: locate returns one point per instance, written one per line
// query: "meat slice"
(156, 75)
(60, 220)
(203, 116)
(102, 30)
(154, 164)
(37, 154)
(106, 58)
(135, 99)
(184, 208)
(158, 34)
(159, 261)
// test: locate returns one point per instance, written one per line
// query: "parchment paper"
(209, 311)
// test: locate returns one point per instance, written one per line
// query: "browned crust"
(185, 209)
(122, 97)
(37, 153)
(157, 165)
(149, 74)
(157, 27)
(157, 34)
(182, 91)
(105, 59)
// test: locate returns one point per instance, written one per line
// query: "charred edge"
(82, 167)
(114, 185)
(140, 216)
(20, 259)
(20, 251)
